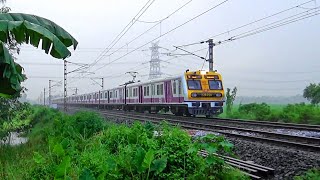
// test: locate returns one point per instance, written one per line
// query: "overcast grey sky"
(281, 61)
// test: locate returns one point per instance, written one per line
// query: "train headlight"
(193, 95)
(218, 95)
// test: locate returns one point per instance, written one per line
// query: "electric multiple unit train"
(193, 93)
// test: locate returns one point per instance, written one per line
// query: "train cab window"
(194, 84)
(215, 84)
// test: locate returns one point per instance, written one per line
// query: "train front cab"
(204, 93)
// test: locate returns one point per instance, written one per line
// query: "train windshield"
(215, 85)
(194, 85)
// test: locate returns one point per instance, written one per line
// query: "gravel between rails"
(287, 162)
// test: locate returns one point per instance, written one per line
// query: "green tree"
(312, 93)
(231, 96)
(18, 28)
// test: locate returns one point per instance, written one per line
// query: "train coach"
(193, 93)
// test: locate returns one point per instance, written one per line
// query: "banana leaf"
(11, 73)
(30, 29)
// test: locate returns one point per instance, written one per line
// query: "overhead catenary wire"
(124, 31)
(250, 23)
(175, 28)
(137, 37)
(164, 34)
(170, 15)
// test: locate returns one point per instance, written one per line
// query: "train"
(193, 93)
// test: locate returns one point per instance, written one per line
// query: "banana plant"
(30, 29)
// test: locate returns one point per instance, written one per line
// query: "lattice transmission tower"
(155, 68)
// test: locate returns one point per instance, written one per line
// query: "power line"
(124, 31)
(266, 28)
(210, 9)
(250, 23)
(171, 14)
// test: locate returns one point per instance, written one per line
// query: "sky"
(278, 62)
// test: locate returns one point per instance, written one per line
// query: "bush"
(82, 146)
(258, 111)
(312, 174)
(301, 113)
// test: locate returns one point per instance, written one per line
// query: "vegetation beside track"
(312, 174)
(83, 146)
(292, 113)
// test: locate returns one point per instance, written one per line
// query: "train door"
(140, 94)
(120, 96)
(108, 97)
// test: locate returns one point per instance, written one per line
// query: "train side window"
(147, 90)
(130, 92)
(158, 89)
(116, 94)
(161, 89)
(179, 86)
(135, 92)
(174, 87)
(100, 95)
(152, 89)
(127, 93)
(106, 95)
(110, 94)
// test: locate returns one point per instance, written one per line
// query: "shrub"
(312, 174)
(258, 111)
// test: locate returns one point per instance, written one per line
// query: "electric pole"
(65, 87)
(102, 79)
(44, 96)
(49, 92)
(211, 44)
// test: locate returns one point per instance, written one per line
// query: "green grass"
(82, 146)
(288, 113)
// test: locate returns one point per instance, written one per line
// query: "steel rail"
(264, 136)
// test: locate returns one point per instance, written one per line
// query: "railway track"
(232, 130)
(254, 171)
(304, 143)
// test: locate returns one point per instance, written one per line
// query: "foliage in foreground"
(312, 174)
(83, 147)
(14, 116)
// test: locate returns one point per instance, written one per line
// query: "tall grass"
(82, 146)
(291, 113)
